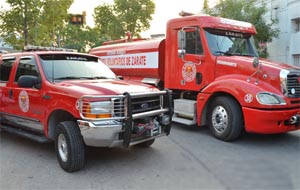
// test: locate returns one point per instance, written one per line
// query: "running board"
(26, 134)
(183, 120)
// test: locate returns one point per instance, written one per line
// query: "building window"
(296, 59)
(296, 24)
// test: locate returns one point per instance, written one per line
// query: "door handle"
(10, 93)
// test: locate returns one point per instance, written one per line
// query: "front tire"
(225, 118)
(69, 146)
(146, 143)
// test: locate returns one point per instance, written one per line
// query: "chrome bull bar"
(120, 108)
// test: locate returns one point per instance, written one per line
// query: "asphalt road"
(187, 159)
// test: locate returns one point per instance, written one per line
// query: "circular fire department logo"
(24, 101)
(188, 72)
(248, 98)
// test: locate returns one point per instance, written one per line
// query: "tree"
(33, 21)
(53, 20)
(247, 11)
(205, 5)
(18, 25)
(124, 15)
(107, 22)
(80, 38)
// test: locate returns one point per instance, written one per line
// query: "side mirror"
(181, 43)
(120, 77)
(28, 81)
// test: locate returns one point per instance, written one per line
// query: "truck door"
(6, 65)
(193, 65)
(24, 105)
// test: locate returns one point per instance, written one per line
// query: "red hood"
(102, 87)
(244, 65)
(265, 63)
(243, 68)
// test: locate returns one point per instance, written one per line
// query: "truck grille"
(144, 104)
(293, 84)
(119, 107)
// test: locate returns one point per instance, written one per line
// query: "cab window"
(193, 42)
(27, 66)
(5, 69)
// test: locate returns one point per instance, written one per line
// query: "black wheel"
(146, 143)
(69, 146)
(225, 118)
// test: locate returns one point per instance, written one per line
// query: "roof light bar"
(42, 48)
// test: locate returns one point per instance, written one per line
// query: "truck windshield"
(222, 42)
(70, 66)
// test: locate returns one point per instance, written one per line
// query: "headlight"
(267, 98)
(98, 110)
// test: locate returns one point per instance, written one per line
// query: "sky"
(164, 11)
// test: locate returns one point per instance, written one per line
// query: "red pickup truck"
(75, 100)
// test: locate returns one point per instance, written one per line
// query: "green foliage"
(113, 21)
(205, 5)
(247, 11)
(45, 23)
(80, 38)
(18, 25)
(54, 19)
(107, 22)
(36, 22)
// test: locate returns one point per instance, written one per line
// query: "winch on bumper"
(124, 120)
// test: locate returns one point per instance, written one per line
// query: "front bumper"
(271, 121)
(134, 127)
(111, 134)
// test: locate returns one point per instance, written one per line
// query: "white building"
(285, 48)
(4, 47)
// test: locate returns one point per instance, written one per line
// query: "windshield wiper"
(99, 77)
(73, 77)
(67, 78)
(78, 78)
(232, 54)
(94, 78)
(223, 53)
(243, 54)
(247, 54)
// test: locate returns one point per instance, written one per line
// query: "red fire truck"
(75, 100)
(217, 79)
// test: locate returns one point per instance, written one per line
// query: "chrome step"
(183, 120)
(26, 134)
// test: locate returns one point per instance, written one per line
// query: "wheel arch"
(224, 117)
(55, 118)
(208, 103)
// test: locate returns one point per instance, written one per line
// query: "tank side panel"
(133, 59)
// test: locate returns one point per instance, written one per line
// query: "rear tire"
(225, 118)
(69, 146)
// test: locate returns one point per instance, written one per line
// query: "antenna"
(52, 62)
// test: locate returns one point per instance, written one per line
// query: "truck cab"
(75, 100)
(212, 67)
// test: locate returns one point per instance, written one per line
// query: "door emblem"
(24, 101)
(189, 71)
